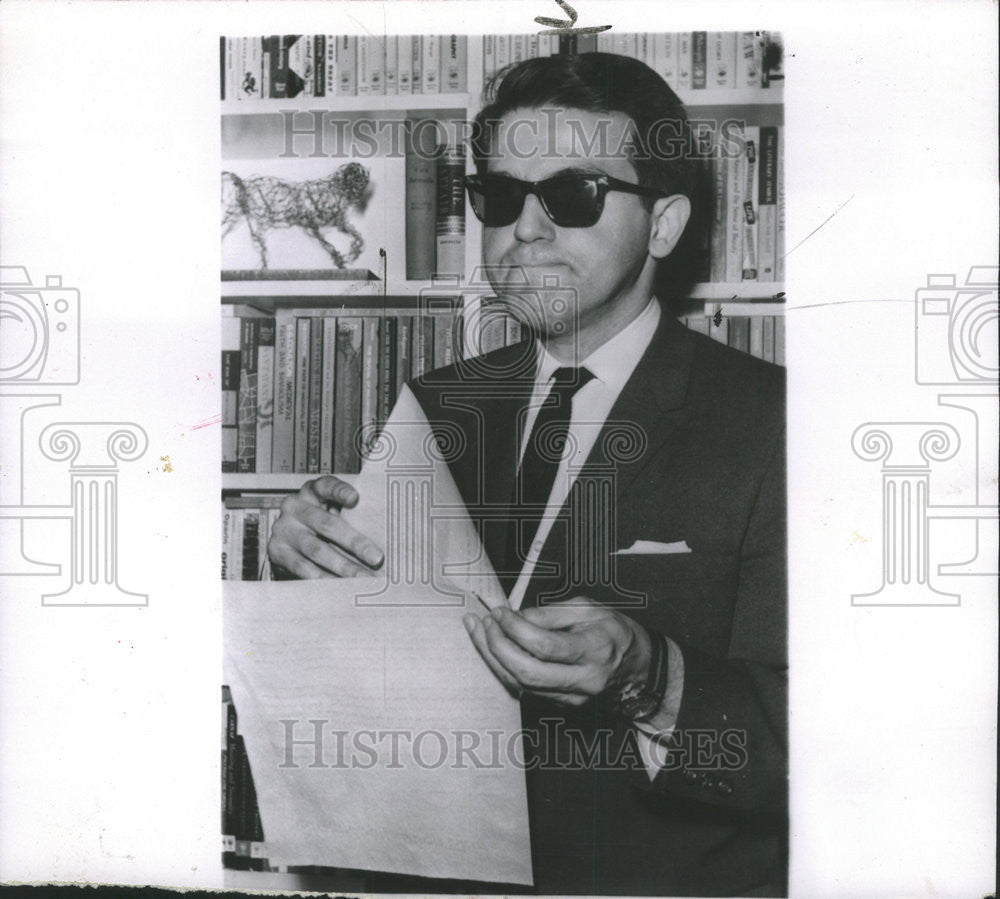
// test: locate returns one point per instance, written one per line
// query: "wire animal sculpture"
(266, 202)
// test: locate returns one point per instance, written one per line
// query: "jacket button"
(707, 782)
(690, 776)
(724, 788)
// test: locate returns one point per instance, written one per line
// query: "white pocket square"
(653, 547)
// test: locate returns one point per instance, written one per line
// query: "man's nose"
(533, 223)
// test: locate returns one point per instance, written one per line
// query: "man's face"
(600, 265)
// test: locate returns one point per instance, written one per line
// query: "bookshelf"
(348, 303)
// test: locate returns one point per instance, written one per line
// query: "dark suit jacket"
(693, 451)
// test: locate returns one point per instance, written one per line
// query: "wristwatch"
(640, 702)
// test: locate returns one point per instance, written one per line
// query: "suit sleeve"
(729, 747)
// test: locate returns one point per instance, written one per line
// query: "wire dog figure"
(267, 202)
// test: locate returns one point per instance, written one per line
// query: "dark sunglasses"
(570, 200)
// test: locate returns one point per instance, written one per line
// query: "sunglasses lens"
(572, 202)
(496, 201)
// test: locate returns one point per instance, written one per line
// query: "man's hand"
(311, 540)
(569, 651)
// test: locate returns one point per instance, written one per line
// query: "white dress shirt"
(612, 364)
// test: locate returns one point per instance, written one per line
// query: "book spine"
(666, 56)
(489, 57)
(722, 56)
(246, 450)
(389, 327)
(430, 66)
(391, 64)
(532, 48)
(747, 60)
(283, 444)
(327, 421)
(227, 543)
(364, 67)
(230, 379)
(428, 326)
(348, 395)
(251, 544)
(331, 78)
(626, 45)
(454, 65)
(646, 50)
(720, 204)
(513, 331)
(750, 190)
(265, 395)
(767, 200)
(450, 213)
(315, 395)
(229, 772)
(545, 42)
(300, 74)
(779, 243)
(699, 59)
(567, 45)
(684, 60)
(519, 48)
(417, 354)
(369, 380)
(492, 333)
(234, 555)
(503, 51)
(347, 66)
(735, 168)
(739, 333)
(376, 65)
(416, 65)
(420, 199)
(756, 336)
(404, 65)
(319, 65)
(767, 341)
(223, 69)
(779, 339)
(302, 344)
(404, 339)
(586, 43)
(443, 339)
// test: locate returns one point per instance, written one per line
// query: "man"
(644, 549)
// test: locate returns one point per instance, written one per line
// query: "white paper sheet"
(377, 737)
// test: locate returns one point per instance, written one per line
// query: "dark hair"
(661, 150)
(598, 83)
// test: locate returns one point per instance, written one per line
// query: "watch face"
(640, 706)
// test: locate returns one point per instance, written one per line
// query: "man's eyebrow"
(568, 170)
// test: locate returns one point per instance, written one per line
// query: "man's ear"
(667, 220)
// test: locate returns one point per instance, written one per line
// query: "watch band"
(637, 703)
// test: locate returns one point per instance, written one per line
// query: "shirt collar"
(613, 362)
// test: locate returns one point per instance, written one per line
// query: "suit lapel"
(648, 411)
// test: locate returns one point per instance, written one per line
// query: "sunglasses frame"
(605, 183)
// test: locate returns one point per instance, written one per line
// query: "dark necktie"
(537, 473)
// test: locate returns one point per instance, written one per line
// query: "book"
(251, 544)
(229, 778)
(283, 439)
(489, 56)
(346, 459)
(684, 60)
(300, 65)
(756, 336)
(404, 65)
(750, 189)
(720, 203)
(503, 49)
(230, 382)
(246, 448)
(347, 66)
(420, 199)
(735, 214)
(404, 342)
(303, 328)
(330, 79)
(391, 68)
(232, 546)
(265, 394)
(779, 243)
(315, 395)
(722, 58)
(767, 340)
(388, 334)
(586, 43)
(454, 64)
(625, 44)
(450, 211)
(328, 415)
(699, 59)
(779, 339)
(748, 59)
(739, 333)
(443, 339)
(430, 66)
(665, 52)
(227, 543)
(371, 348)
(767, 200)
(416, 65)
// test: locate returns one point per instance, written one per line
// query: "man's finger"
(478, 634)
(542, 642)
(335, 530)
(530, 672)
(329, 489)
(563, 614)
